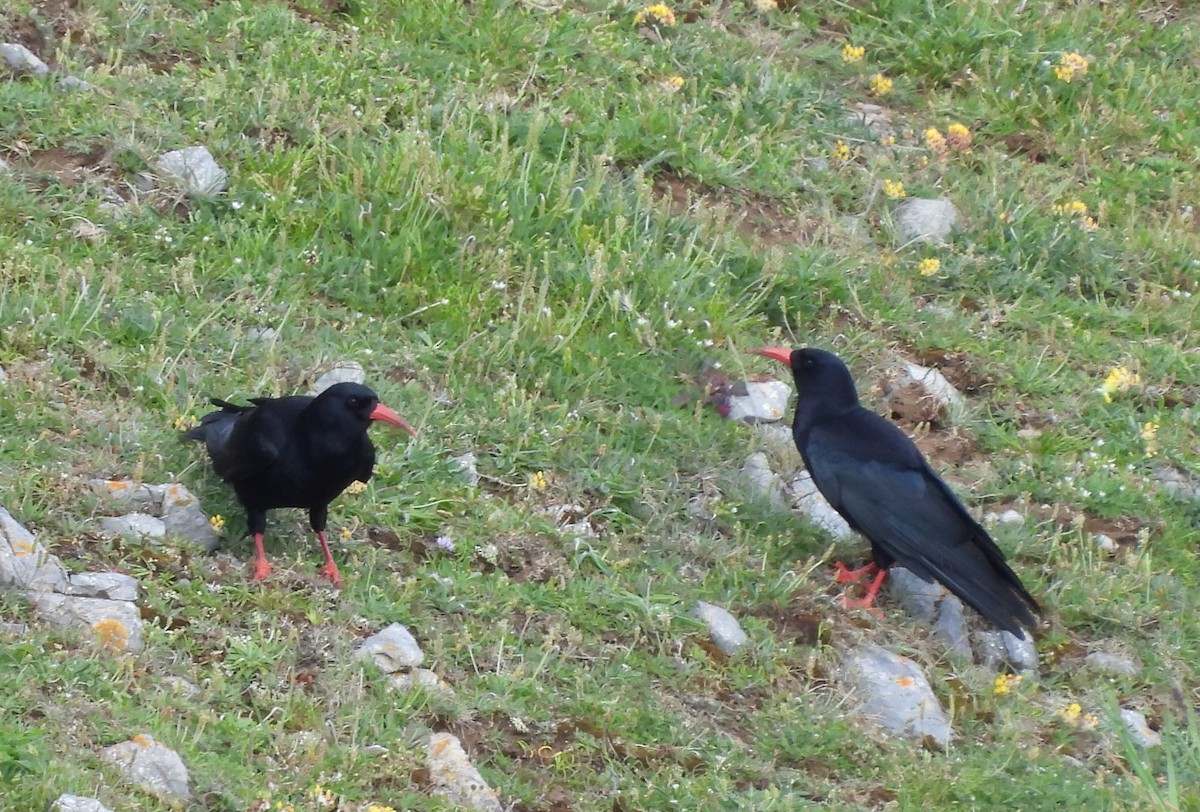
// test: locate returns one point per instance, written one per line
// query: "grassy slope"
(482, 203)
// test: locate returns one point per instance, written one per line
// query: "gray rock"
(22, 60)
(933, 605)
(77, 803)
(808, 500)
(182, 517)
(764, 402)
(421, 678)
(1106, 543)
(194, 169)
(112, 586)
(894, 693)
(465, 464)
(137, 495)
(267, 335)
(723, 628)
(760, 478)
(75, 83)
(181, 686)
(996, 648)
(876, 118)
(152, 766)
(24, 562)
(455, 778)
(136, 525)
(392, 649)
(1011, 516)
(1141, 732)
(932, 384)
(4, 167)
(1178, 482)
(1117, 665)
(115, 625)
(342, 372)
(925, 220)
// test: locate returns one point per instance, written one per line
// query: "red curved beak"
(778, 353)
(381, 412)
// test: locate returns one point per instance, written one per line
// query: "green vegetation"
(534, 223)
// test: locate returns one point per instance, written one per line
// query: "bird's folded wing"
(252, 447)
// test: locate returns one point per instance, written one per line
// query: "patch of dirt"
(22, 30)
(527, 558)
(958, 368)
(756, 218)
(796, 622)
(70, 168)
(947, 448)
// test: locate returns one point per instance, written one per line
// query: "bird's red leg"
(330, 569)
(262, 567)
(867, 601)
(845, 576)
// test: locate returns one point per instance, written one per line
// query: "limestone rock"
(194, 169)
(116, 625)
(22, 60)
(24, 562)
(342, 372)
(152, 766)
(392, 649)
(763, 402)
(455, 778)
(723, 628)
(134, 525)
(925, 220)
(894, 693)
(808, 500)
(77, 803)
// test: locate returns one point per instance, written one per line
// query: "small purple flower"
(445, 543)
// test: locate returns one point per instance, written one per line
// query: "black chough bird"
(877, 479)
(298, 451)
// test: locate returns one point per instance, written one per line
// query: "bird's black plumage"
(297, 451)
(877, 479)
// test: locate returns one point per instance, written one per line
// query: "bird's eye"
(354, 403)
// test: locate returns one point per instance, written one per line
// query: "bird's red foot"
(867, 601)
(845, 576)
(330, 571)
(262, 567)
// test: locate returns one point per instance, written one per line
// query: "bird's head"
(819, 374)
(353, 401)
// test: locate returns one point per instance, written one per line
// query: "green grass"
(486, 204)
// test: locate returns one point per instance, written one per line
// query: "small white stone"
(113, 586)
(465, 464)
(267, 335)
(194, 169)
(1011, 516)
(1105, 543)
(1139, 729)
(758, 475)
(726, 633)
(925, 220)
(75, 83)
(764, 401)
(153, 766)
(995, 648)
(392, 649)
(455, 778)
(77, 803)
(22, 60)
(1107, 662)
(342, 372)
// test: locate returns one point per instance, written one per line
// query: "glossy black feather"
(877, 479)
(297, 451)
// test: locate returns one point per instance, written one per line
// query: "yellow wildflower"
(763, 6)
(1072, 208)
(935, 142)
(537, 481)
(852, 53)
(671, 83)
(184, 422)
(346, 533)
(841, 151)
(888, 140)
(1149, 434)
(1003, 217)
(380, 808)
(1071, 66)
(1119, 380)
(322, 796)
(216, 522)
(1005, 683)
(1070, 714)
(356, 487)
(880, 85)
(893, 188)
(657, 14)
(1088, 223)
(959, 137)
(929, 266)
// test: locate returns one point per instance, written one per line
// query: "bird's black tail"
(992, 589)
(216, 423)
